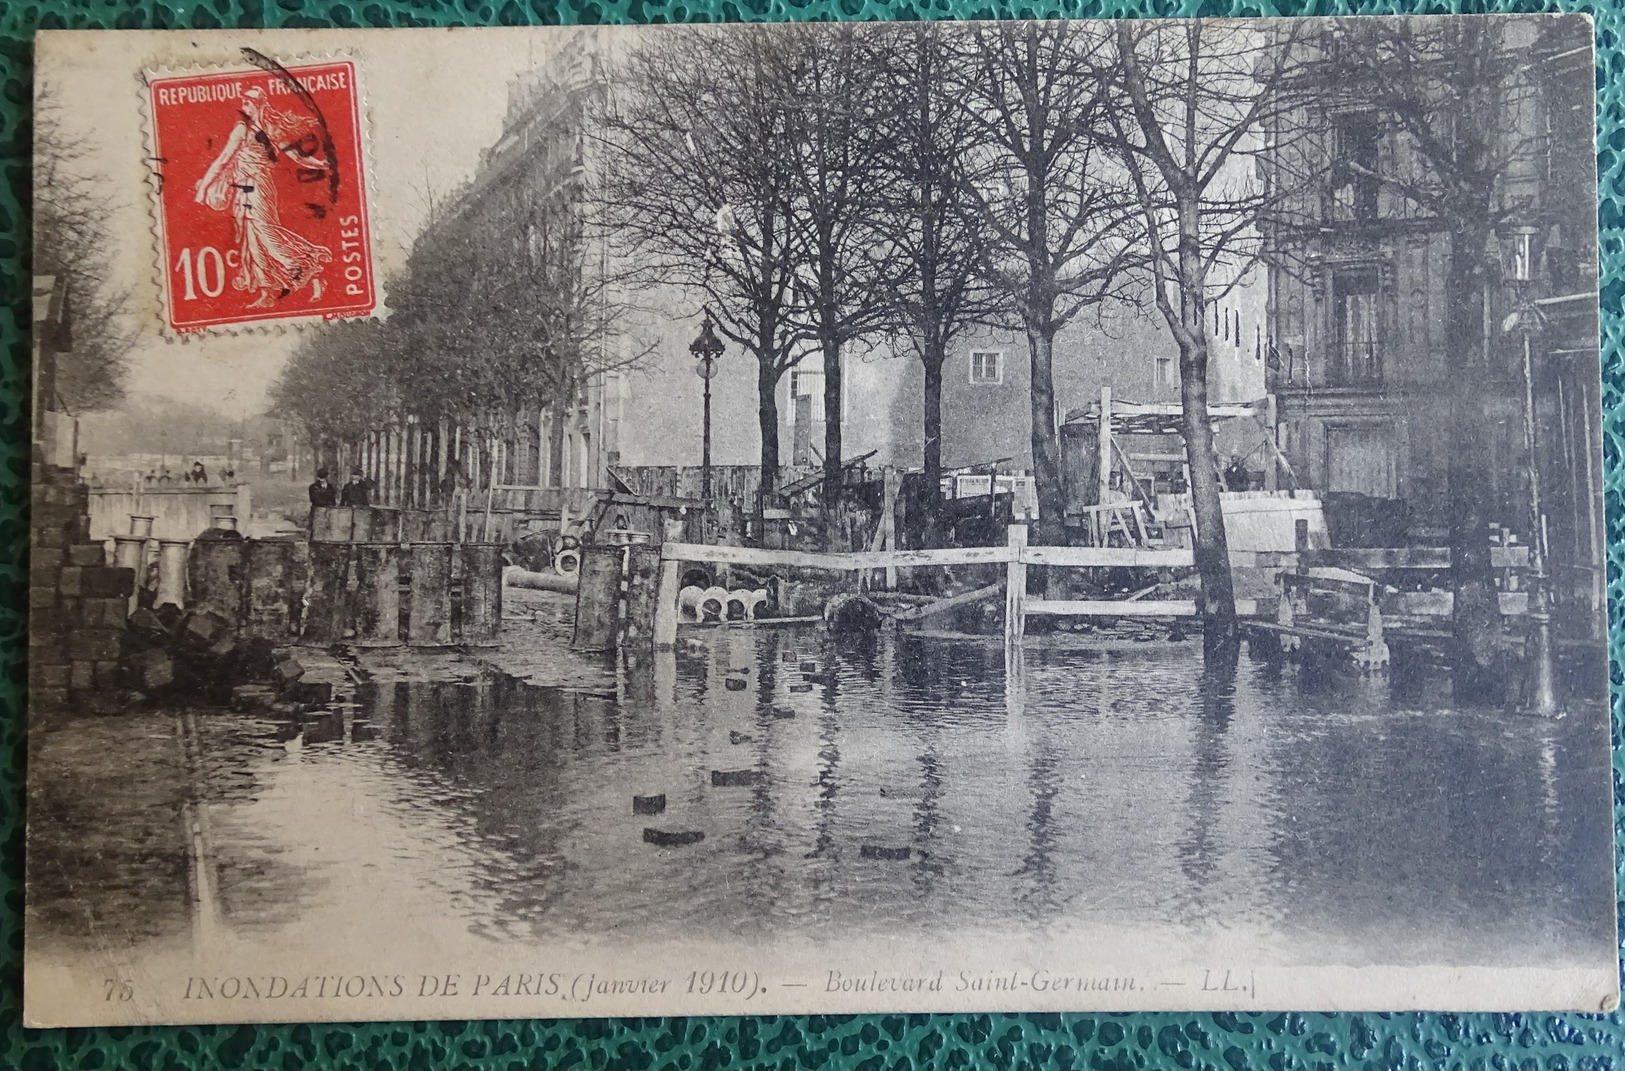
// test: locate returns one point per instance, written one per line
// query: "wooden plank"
(915, 613)
(1124, 608)
(1099, 557)
(835, 562)
(1361, 559)
(1113, 607)
(1440, 603)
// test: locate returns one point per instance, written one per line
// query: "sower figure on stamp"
(271, 259)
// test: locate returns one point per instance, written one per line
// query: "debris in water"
(876, 851)
(667, 838)
(801, 687)
(734, 778)
(737, 737)
(649, 804)
(734, 684)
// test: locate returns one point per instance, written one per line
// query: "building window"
(1165, 373)
(1356, 164)
(808, 385)
(986, 366)
(1356, 358)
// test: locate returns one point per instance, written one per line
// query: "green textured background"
(1274, 1040)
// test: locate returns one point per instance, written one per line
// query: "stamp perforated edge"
(156, 307)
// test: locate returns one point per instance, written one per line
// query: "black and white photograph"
(776, 518)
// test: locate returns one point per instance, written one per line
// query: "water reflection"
(1078, 789)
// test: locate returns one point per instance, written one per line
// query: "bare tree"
(72, 241)
(702, 191)
(934, 230)
(1199, 98)
(1057, 210)
(838, 177)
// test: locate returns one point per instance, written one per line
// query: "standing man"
(322, 492)
(356, 492)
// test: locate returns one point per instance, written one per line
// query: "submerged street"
(1103, 788)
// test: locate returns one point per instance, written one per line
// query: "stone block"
(104, 612)
(81, 675)
(108, 674)
(71, 581)
(286, 672)
(50, 537)
(88, 554)
(152, 670)
(107, 582)
(148, 625)
(41, 597)
(96, 645)
(48, 699)
(43, 676)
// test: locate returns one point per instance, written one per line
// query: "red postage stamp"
(261, 194)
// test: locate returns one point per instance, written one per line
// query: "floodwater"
(1346, 820)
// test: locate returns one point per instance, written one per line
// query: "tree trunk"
(767, 420)
(1046, 448)
(1475, 617)
(1211, 547)
(933, 359)
(832, 418)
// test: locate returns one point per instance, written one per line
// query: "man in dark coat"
(356, 492)
(322, 492)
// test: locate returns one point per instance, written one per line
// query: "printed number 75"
(120, 988)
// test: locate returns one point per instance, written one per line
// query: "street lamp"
(1518, 265)
(707, 349)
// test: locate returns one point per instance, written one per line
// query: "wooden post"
(1271, 464)
(482, 594)
(1015, 587)
(598, 598)
(666, 596)
(429, 620)
(642, 595)
(327, 605)
(378, 595)
(888, 520)
(1103, 448)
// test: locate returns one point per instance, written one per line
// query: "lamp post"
(707, 349)
(1527, 320)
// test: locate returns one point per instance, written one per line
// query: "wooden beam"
(915, 613)
(1362, 559)
(835, 562)
(1101, 557)
(1440, 603)
(1123, 608)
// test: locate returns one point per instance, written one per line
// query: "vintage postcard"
(839, 518)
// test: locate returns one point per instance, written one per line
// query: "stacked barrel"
(383, 577)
